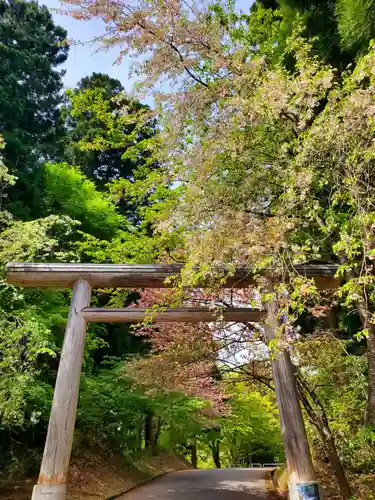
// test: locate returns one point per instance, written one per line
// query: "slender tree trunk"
(336, 465)
(370, 416)
(194, 456)
(149, 421)
(334, 460)
(138, 446)
(215, 448)
(319, 419)
(367, 324)
(324, 432)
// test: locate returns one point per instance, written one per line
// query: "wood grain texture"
(58, 446)
(190, 315)
(293, 430)
(30, 274)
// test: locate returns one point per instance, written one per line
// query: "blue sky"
(83, 60)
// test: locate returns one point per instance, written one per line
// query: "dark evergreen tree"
(341, 30)
(268, 4)
(356, 21)
(31, 49)
(321, 26)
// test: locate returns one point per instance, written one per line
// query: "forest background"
(259, 151)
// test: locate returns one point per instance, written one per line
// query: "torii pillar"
(302, 480)
(53, 474)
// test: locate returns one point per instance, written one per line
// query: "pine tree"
(31, 49)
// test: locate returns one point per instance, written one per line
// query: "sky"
(83, 60)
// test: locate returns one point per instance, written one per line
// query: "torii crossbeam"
(82, 278)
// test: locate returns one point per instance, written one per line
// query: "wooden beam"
(297, 450)
(189, 315)
(28, 274)
(55, 463)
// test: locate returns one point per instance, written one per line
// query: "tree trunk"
(194, 456)
(336, 465)
(149, 421)
(370, 416)
(216, 454)
(319, 419)
(367, 324)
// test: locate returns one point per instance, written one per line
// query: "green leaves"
(23, 341)
(31, 51)
(110, 136)
(40, 239)
(250, 432)
(67, 191)
(356, 23)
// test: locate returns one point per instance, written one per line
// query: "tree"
(356, 22)
(321, 27)
(33, 324)
(103, 126)
(209, 362)
(31, 49)
(343, 28)
(67, 191)
(250, 433)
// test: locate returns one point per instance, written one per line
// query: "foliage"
(40, 239)
(67, 191)
(29, 321)
(31, 49)
(6, 178)
(356, 23)
(109, 135)
(113, 410)
(340, 30)
(251, 431)
(272, 155)
(263, 157)
(23, 340)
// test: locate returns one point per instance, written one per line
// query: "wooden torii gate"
(82, 278)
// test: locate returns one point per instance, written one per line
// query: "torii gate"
(82, 278)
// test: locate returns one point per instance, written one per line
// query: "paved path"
(207, 484)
